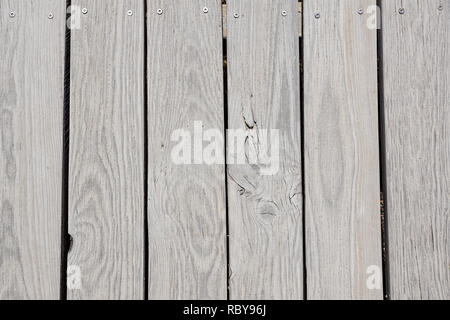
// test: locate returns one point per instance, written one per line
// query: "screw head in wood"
(205, 10)
(12, 14)
(159, 11)
(130, 12)
(84, 11)
(50, 15)
(401, 10)
(317, 16)
(360, 11)
(284, 13)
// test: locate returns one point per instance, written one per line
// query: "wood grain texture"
(106, 196)
(299, 16)
(31, 122)
(343, 235)
(186, 203)
(416, 60)
(265, 209)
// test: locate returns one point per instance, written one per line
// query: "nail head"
(441, 7)
(84, 10)
(205, 10)
(12, 14)
(317, 15)
(159, 11)
(360, 11)
(50, 15)
(236, 15)
(401, 10)
(284, 13)
(130, 12)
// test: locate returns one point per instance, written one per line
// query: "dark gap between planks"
(146, 247)
(382, 153)
(225, 123)
(66, 239)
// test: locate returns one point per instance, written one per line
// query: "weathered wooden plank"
(186, 202)
(341, 151)
(416, 60)
(106, 200)
(264, 200)
(31, 122)
(224, 19)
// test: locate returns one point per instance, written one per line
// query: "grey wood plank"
(224, 18)
(265, 201)
(341, 151)
(416, 61)
(31, 122)
(186, 203)
(106, 183)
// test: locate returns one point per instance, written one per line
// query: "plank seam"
(302, 157)
(225, 120)
(145, 109)
(382, 155)
(65, 236)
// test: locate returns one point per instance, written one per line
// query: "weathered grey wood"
(416, 61)
(186, 203)
(107, 150)
(31, 121)
(299, 9)
(265, 209)
(341, 151)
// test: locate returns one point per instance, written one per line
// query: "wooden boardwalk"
(122, 175)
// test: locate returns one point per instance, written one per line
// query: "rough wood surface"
(186, 202)
(416, 60)
(299, 18)
(265, 210)
(341, 150)
(106, 197)
(31, 121)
